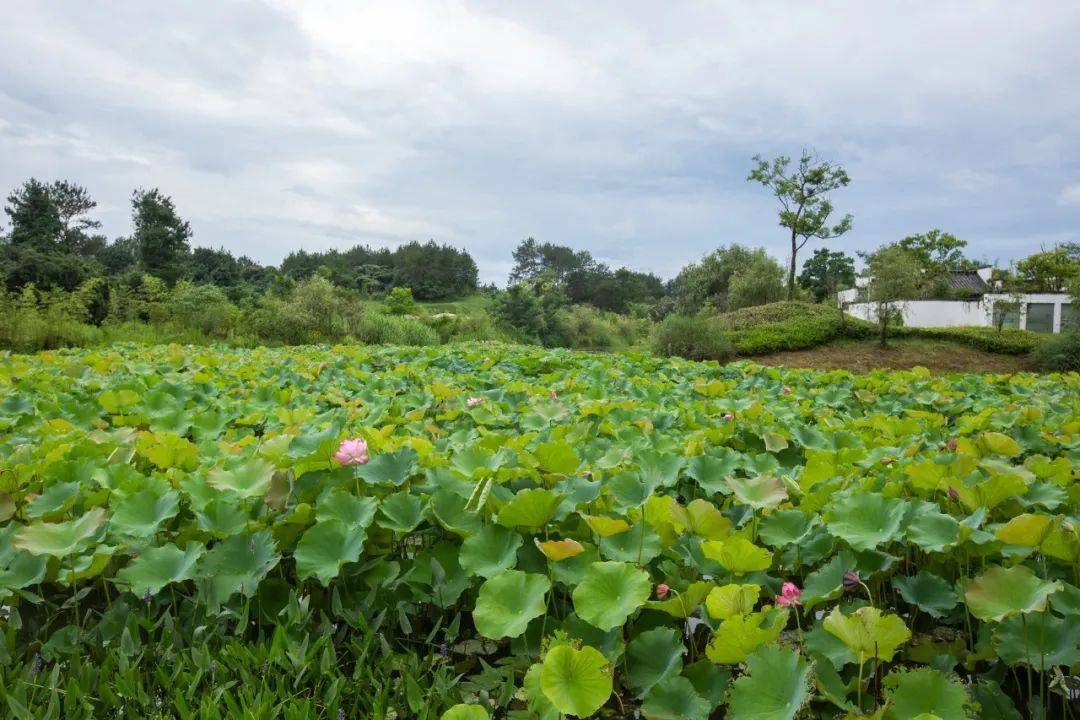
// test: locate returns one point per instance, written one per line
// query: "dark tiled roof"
(967, 281)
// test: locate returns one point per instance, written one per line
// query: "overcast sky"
(624, 128)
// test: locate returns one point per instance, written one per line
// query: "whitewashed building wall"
(955, 313)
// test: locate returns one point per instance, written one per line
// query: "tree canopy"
(803, 195)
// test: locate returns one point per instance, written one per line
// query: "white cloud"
(1070, 195)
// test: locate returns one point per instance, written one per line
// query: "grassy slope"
(902, 354)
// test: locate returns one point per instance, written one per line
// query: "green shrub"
(694, 337)
(205, 308)
(400, 301)
(787, 326)
(314, 312)
(1060, 353)
(1007, 341)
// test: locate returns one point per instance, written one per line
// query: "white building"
(1039, 312)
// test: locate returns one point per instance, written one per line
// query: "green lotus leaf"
(350, 509)
(465, 712)
(490, 551)
(168, 450)
(325, 547)
(558, 550)
(60, 539)
(631, 489)
(56, 498)
(142, 514)
(928, 592)
(990, 492)
(236, 565)
(557, 457)
(652, 656)
(1027, 530)
(827, 582)
(709, 680)
(705, 520)
(221, 517)
(866, 520)
(401, 512)
(776, 686)
(683, 604)
(868, 632)
(999, 593)
(774, 442)
(785, 527)
(576, 682)
(610, 592)
(994, 704)
(157, 567)
(738, 554)
(530, 508)
(18, 568)
(915, 693)
(1000, 444)
(1040, 640)
(508, 601)
(763, 491)
(738, 636)
(640, 543)
(450, 510)
(119, 401)
(931, 529)
(822, 644)
(391, 469)
(539, 706)
(244, 478)
(711, 472)
(727, 601)
(675, 698)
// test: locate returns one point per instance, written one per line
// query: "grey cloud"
(623, 128)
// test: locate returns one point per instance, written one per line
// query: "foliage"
(937, 251)
(826, 272)
(1049, 271)
(803, 195)
(176, 535)
(400, 301)
(895, 276)
(1059, 353)
(695, 337)
(161, 237)
(727, 279)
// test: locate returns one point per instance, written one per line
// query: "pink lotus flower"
(785, 390)
(729, 416)
(662, 590)
(474, 401)
(790, 594)
(554, 395)
(352, 452)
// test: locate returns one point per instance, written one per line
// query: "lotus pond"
(542, 533)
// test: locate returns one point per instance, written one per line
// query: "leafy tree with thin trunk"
(895, 276)
(803, 194)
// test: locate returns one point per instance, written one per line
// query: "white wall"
(954, 313)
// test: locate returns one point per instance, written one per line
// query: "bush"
(314, 312)
(787, 326)
(453, 327)
(694, 337)
(1008, 341)
(1060, 353)
(204, 308)
(400, 301)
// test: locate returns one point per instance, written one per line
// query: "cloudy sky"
(625, 128)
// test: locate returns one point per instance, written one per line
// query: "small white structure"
(1039, 312)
